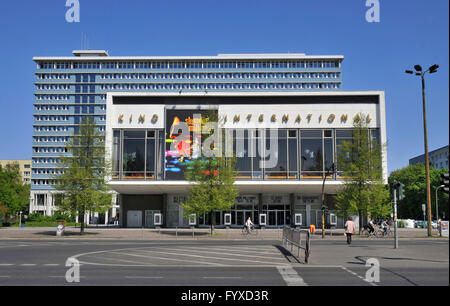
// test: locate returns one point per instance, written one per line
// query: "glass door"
(150, 217)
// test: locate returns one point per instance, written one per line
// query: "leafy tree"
(14, 195)
(83, 182)
(359, 163)
(213, 183)
(414, 179)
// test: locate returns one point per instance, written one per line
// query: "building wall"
(69, 88)
(437, 158)
(24, 168)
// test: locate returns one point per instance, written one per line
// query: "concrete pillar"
(260, 207)
(106, 217)
(292, 206)
(308, 215)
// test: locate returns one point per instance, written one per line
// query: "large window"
(317, 153)
(135, 154)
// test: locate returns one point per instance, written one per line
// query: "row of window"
(46, 160)
(47, 171)
(51, 107)
(189, 64)
(221, 86)
(146, 76)
(50, 150)
(53, 76)
(291, 154)
(78, 110)
(66, 97)
(51, 118)
(52, 87)
(62, 128)
(50, 139)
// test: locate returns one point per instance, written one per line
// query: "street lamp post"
(419, 72)
(437, 214)
(332, 168)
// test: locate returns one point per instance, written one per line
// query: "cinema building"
(140, 103)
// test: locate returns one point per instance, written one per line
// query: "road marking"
(28, 265)
(232, 254)
(144, 277)
(222, 277)
(165, 258)
(51, 265)
(6, 265)
(5, 276)
(210, 257)
(254, 251)
(291, 277)
(360, 277)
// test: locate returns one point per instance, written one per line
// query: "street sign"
(424, 208)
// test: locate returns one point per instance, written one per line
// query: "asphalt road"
(223, 263)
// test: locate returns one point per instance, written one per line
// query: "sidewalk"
(179, 234)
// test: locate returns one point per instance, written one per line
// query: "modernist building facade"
(438, 158)
(140, 103)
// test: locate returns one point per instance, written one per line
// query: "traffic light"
(324, 209)
(401, 189)
(444, 181)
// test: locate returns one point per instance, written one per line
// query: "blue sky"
(376, 54)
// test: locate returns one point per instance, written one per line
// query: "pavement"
(222, 262)
(102, 233)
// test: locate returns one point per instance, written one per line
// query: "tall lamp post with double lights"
(421, 73)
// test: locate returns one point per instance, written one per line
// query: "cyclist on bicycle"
(384, 226)
(249, 224)
(371, 226)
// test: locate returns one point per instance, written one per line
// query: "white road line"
(1, 265)
(144, 277)
(165, 258)
(222, 277)
(51, 265)
(28, 265)
(254, 251)
(210, 257)
(232, 254)
(360, 277)
(291, 277)
(5, 276)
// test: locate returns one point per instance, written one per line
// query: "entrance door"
(272, 218)
(134, 218)
(150, 217)
(247, 214)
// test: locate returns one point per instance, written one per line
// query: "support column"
(308, 215)
(260, 206)
(292, 208)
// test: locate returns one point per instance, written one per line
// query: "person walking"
(350, 229)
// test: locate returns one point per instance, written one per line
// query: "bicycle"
(369, 234)
(384, 234)
(251, 231)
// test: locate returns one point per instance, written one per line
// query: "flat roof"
(91, 55)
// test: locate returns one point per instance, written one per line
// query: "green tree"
(14, 195)
(359, 163)
(212, 181)
(414, 180)
(83, 182)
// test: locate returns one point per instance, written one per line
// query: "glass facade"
(140, 155)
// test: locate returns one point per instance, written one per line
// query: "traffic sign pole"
(395, 220)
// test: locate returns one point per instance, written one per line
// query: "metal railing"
(293, 238)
